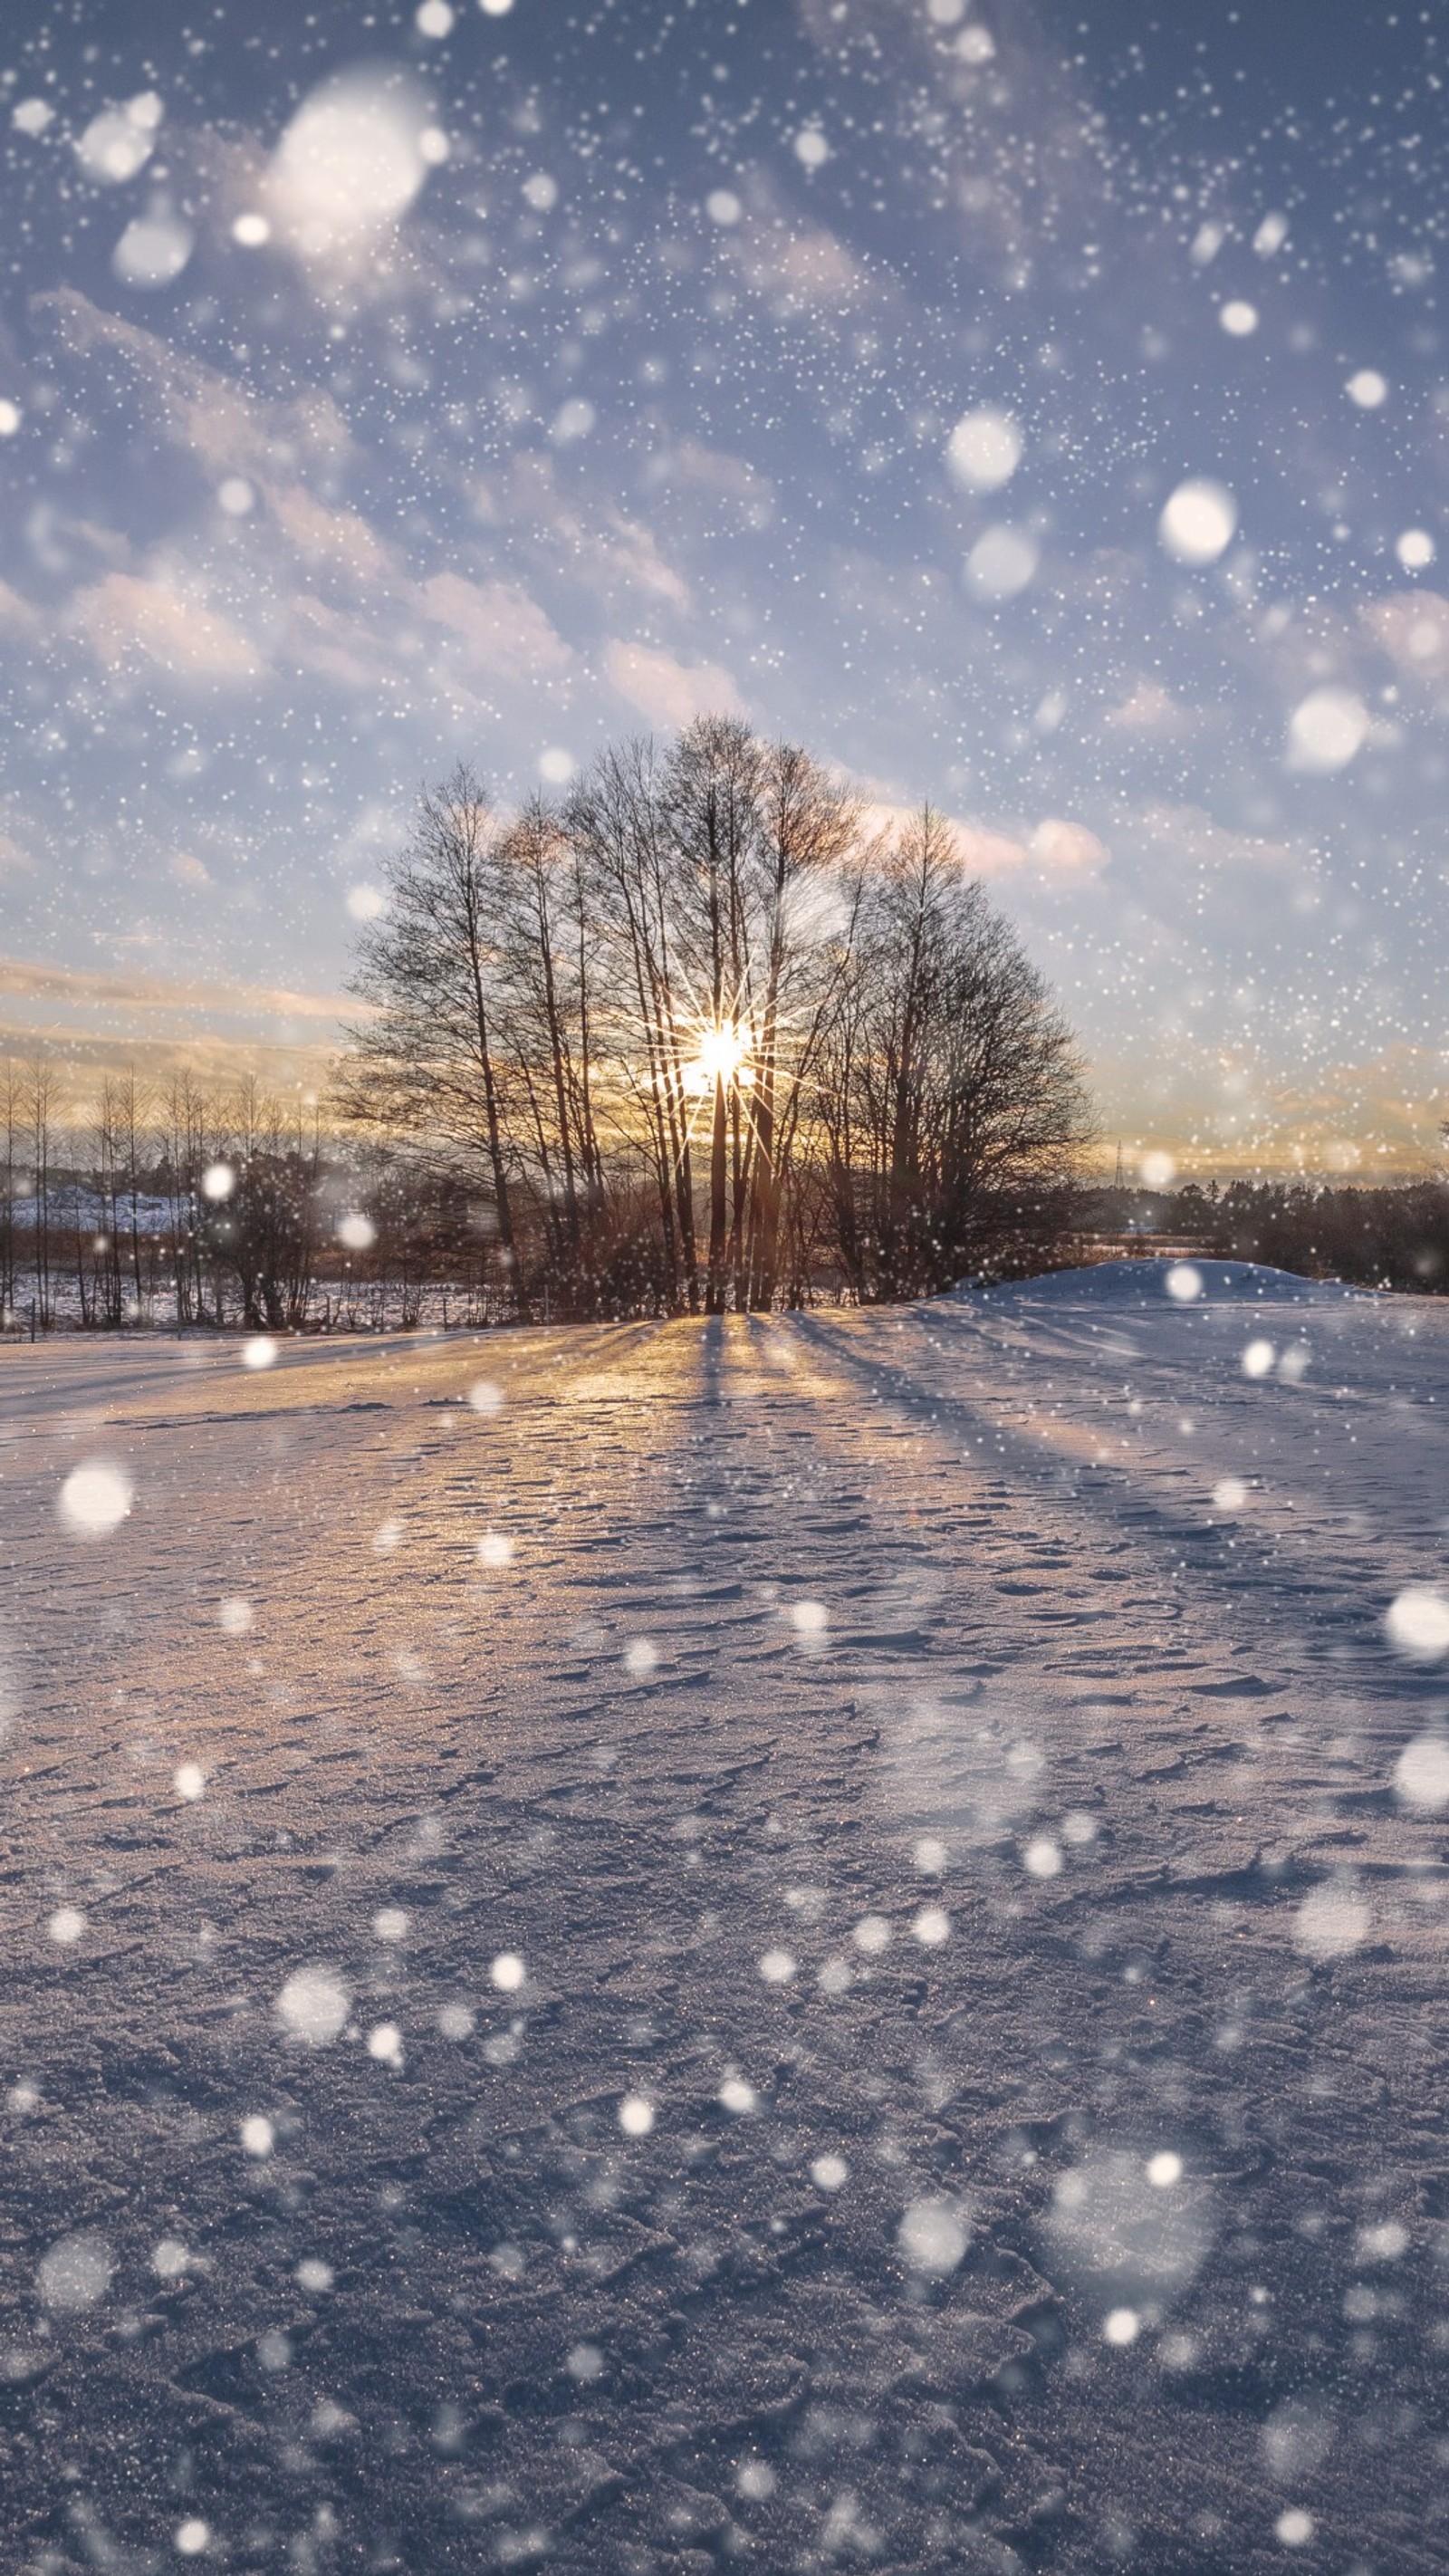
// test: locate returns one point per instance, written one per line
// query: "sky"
(1038, 409)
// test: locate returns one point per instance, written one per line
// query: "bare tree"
(950, 1094)
(426, 1062)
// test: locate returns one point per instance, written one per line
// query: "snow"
(952, 2080)
(1144, 1283)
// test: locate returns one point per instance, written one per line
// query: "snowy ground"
(975, 2097)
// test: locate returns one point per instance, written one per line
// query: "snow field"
(864, 1991)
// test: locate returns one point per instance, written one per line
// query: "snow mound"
(1159, 1282)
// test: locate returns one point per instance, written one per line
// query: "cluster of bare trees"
(711, 1041)
(137, 1207)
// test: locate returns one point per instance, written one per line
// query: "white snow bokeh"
(76, 2272)
(153, 250)
(985, 448)
(1198, 522)
(95, 1499)
(1128, 2229)
(1002, 563)
(313, 2005)
(1421, 1773)
(1327, 730)
(1332, 1921)
(933, 2235)
(119, 142)
(348, 167)
(1417, 1622)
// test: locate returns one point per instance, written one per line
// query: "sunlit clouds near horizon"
(1041, 414)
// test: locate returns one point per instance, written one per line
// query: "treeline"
(707, 1039)
(1373, 1238)
(193, 1207)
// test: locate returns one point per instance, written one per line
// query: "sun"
(722, 1057)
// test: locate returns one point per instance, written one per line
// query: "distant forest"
(705, 1035)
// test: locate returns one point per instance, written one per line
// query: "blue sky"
(381, 386)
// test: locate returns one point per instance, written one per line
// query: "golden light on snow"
(95, 1499)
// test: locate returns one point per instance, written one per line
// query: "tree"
(949, 1093)
(702, 1033)
(426, 1063)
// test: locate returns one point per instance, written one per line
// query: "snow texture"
(939, 2062)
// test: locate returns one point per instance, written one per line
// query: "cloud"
(87, 988)
(668, 692)
(1187, 832)
(341, 540)
(1153, 712)
(197, 645)
(204, 412)
(692, 466)
(504, 632)
(804, 270)
(1413, 629)
(17, 616)
(613, 557)
(1068, 851)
